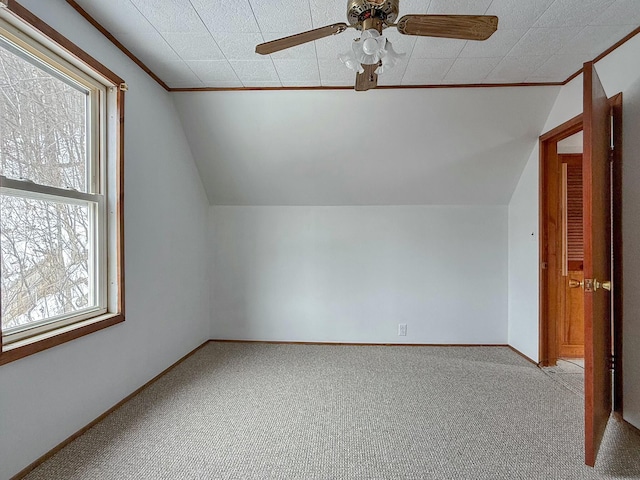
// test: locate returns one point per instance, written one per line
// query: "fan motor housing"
(360, 10)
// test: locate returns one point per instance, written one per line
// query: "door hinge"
(612, 363)
(612, 144)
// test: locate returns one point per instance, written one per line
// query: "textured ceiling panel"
(557, 66)
(194, 46)
(500, 45)
(590, 39)
(426, 47)
(255, 70)
(171, 15)
(273, 14)
(518, 15)
(622, 12)
(515, 69)
(118, 16)
(239, 46)
(426, 70)
(225, 15)
(215, 72)
(305, 70)
(574, 13)
(459, 7)
(536, 41)
(471, 70)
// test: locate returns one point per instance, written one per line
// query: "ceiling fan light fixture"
(372, 54)
(351, 62)
(389, 58)
(370, 49)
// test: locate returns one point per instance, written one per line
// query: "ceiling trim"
(141, 64)
(606, 52)
(379, 87)
(37, 24)
(117, 43)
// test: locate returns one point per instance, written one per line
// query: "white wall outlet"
(402, 329)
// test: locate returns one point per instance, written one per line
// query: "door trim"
(550, 246)
(616, 245)
(547, 325)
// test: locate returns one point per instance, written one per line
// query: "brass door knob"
(606, 285)
(591, 286)
(573, 283)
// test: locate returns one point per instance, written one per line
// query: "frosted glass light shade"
(371, 48)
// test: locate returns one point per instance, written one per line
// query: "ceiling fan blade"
(466, 27)
(367, 79)
(300, 38)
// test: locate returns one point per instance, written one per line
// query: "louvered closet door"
(570, 325)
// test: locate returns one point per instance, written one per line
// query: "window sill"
(44, 341)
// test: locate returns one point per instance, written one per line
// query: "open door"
(597, 261)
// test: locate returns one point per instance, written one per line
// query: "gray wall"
(46, 397)
(352, 274)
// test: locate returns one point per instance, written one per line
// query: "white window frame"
(104, 184)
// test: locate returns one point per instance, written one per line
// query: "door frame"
(550, 246)
(616, 245)
(550, 239)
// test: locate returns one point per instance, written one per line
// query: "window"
(60, 214)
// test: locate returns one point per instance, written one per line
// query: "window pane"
(45, 260)
(43, 124)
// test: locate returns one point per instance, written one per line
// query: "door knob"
(590, 285)
(606, 285)
(573, 283)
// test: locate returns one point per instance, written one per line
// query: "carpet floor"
(259, 411)
(569, 373)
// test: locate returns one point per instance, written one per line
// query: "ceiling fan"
(372, 53)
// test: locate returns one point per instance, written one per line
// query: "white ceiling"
(211, 43)
(463, 146)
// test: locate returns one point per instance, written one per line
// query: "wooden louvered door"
(570, 325)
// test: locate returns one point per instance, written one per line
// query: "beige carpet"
(253, 411)
(569, 373)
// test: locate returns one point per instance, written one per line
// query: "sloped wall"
(619, 72)
(46, 397)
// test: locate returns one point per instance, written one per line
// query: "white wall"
(523, 260)
(46, 397)
(439, 146)
(352, 274)
(619, 72)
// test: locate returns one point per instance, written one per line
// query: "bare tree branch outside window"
(45, 257)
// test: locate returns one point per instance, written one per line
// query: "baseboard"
(523, 355)
(357, 344)
(22, 473)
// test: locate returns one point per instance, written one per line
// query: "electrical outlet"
(402, 329)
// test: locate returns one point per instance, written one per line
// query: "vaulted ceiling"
(211, 43)
(442, 146)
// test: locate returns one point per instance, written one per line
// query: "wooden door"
(597, 261)
(570, 321)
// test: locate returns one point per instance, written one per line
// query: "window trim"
(30, 25)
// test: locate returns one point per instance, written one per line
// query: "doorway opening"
(561, 246)
(563, 286)
(560, 337)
